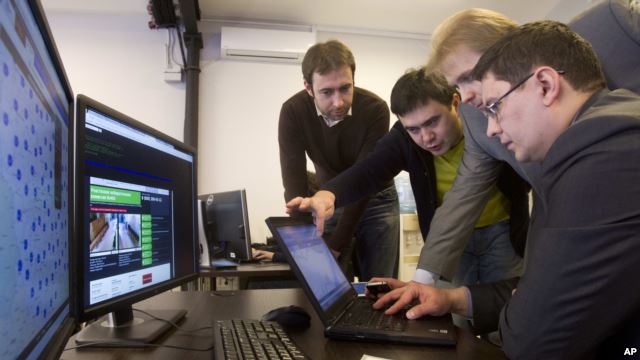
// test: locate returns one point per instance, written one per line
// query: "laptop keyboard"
(361, 314)
(253, 339)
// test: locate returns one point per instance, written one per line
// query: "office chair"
(613, 29)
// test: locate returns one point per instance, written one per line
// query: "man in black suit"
(544, 95)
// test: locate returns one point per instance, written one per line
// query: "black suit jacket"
(579, 297)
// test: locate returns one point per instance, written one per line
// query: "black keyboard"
(253, 339)
(361, 314)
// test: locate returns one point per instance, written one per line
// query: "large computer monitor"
(136, 201)
(36, 135)
(225, 222)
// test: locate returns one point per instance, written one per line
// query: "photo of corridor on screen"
(130, 240)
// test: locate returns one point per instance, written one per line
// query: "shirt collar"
(328, 121)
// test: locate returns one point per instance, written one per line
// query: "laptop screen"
(316, 263)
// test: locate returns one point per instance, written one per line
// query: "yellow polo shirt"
(498, 207)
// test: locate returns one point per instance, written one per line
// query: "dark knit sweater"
(331, 149)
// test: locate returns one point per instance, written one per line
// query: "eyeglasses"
(492, 109)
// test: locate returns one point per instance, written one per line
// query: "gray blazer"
(454, 220)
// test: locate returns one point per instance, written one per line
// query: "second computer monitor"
(226, 224)
(136, 216)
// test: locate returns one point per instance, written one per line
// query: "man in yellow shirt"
(428, 143)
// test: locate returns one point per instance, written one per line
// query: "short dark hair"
(326, 57)
(416, 88)
(549, 43)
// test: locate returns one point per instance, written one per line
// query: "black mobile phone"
(377, 287)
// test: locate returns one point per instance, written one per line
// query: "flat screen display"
(137, 202)
(35, 186)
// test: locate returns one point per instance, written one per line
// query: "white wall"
(240, 105)
(118, 61)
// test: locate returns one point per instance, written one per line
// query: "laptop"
(345, 315)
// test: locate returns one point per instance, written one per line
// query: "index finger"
(294, 204)
(318, 219)
(392, 295)
(405, 299)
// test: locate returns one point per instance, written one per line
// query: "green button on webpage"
(146, 261)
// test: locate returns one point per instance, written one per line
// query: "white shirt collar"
(331, 122)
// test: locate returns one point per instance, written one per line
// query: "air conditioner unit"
(256, 44)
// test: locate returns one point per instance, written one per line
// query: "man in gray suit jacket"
(457, 44)
(544, 95)
(613, 27)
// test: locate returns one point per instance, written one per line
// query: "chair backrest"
(613, 28)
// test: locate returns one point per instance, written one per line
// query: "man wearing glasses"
(545, 98)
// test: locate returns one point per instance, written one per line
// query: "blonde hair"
(475, 29)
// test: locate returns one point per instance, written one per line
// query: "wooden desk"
(204, 307)
(266, 269)
(246, 272)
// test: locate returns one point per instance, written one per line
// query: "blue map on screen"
(34, 172)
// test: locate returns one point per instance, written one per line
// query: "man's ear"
(549, 81)
(455, 102)
(308, 87)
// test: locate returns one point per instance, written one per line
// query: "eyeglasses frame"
(492, 109)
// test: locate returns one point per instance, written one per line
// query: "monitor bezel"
(88, 312)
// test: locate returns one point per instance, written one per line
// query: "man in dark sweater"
(337, 124)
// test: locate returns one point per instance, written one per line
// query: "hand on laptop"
(321, 204)
(262, 255)
(432, 300)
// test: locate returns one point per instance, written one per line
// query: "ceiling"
(400, 16)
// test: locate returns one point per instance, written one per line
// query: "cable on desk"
(223, 294)
(138, 344)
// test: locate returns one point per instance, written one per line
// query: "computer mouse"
(292, 317)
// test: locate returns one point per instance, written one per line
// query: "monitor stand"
(121, 329)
